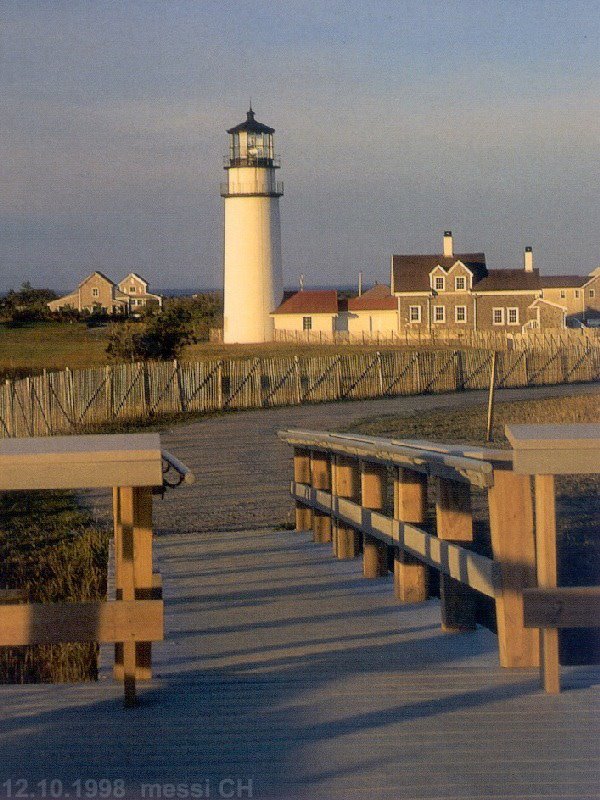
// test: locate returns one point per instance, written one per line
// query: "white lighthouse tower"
(253, 281)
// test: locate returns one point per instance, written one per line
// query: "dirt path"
(243, 470)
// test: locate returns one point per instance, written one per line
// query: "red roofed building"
(311, 310)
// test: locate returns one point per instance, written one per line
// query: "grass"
(50, 549)
(37, 346)
(470, 427)
(578, 497)
(31, 348)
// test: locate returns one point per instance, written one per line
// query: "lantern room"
(250, 144)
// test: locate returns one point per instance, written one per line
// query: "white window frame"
(462, 288)
(516, 310)
(95, 292)
(132, 290)
(418, 310)
(307, 323)
(563, 294)
(441, 278)
(435, 311)
(456, 319)
(501, 310)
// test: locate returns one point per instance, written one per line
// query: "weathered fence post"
(513, 546)
(298, 378)
(410, 505)
(454, 522)
(373, 479)
(320, 468)
(302, 475)
(346, 483)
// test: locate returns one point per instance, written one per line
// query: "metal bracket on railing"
(182, 473)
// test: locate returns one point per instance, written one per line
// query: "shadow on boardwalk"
(286, 667)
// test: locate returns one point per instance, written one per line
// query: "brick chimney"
(528, 259)
(448, 249)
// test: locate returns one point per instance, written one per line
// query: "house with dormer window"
(451, 291)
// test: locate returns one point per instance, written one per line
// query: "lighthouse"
(253, 279)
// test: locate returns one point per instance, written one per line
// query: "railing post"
(118, 554)
(513, 546)
(132, 509)
(346, 483)
(302, 475)
(142, 569)
(127, 581)
(320, 468)
(454, 522)
(545, 515)
(410, 505)
(373, 479)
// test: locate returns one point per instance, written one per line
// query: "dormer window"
(132, 289)
(460, 283)
(439, 283)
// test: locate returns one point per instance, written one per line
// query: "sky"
(394, 120)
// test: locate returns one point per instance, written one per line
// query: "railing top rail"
(185, 475)
(474, 465)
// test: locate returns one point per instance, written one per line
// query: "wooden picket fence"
(75, 401)
(487, 340)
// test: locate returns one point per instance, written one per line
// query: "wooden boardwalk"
(285, 667)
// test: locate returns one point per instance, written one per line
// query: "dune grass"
(50, 550)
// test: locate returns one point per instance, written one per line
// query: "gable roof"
(379, 298)
(411, 272)
(91, 275)
(498, 280)
(323, 301)
(563, 281)
(134, 275)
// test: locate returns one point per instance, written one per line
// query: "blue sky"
(394, 121)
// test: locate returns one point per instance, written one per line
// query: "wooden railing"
(367, 494)
(135, 467)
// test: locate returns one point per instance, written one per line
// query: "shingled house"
(457, 290)
(450, 292)
(99, 292)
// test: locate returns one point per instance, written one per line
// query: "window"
(592, 293)
(306, 323)
(512, 316)
(563, 294)
(460, 283)
(439, 284)
(460, 314)
(132, 289)
(95, 292)
(414, 313)
(577, 294)
(498, 316)
(439, 313)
